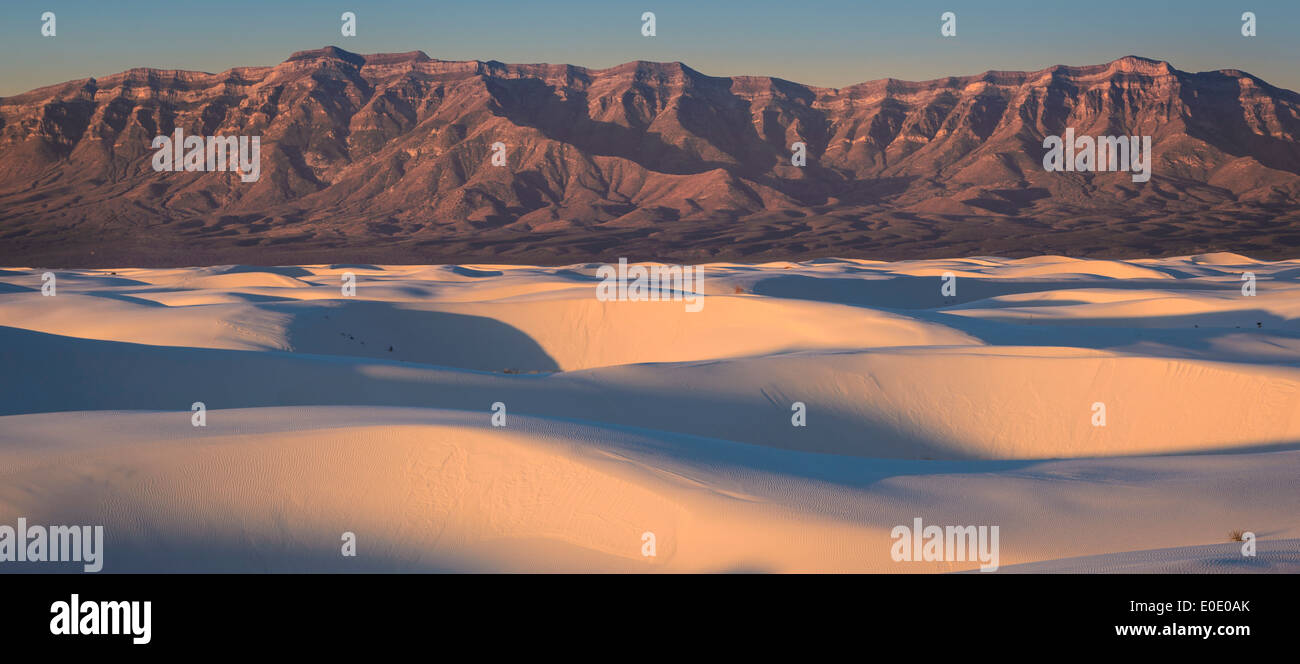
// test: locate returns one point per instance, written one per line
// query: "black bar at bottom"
(441, 615)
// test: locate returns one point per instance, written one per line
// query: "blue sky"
(818, 42)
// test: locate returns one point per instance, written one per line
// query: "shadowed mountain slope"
(388, 158)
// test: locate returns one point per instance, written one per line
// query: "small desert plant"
(740, 290)
(1237, 536)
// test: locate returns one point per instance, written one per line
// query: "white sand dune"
(1276, 556)
(272, 489)
(371, 414)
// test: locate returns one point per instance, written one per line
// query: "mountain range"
(389, 159)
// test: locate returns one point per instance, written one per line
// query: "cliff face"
(389, 157)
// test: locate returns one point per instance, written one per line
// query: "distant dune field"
(372, 414)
